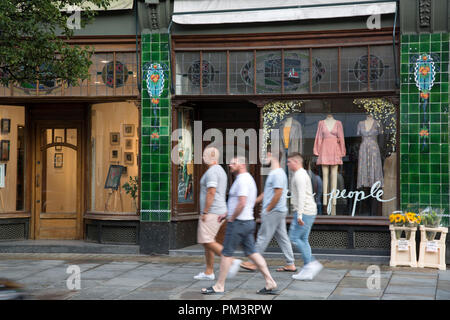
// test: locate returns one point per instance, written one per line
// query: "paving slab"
(126, 282)
(397, 280)
(442, 294)
(444, 275)
(365, 274)
(95, 274)
(411, 290)
(331, 275)
(246, 294)
(289, 294)
(356, 282)
(100, 293)
(313, 286)
(388, 296)
(361, 292)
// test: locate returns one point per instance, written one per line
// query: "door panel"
(58, 177)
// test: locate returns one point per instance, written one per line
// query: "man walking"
(273, 216)
(305, 211)
(213, 186)
(240, 230)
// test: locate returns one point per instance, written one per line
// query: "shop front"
(323, 77)
(303, 85)
(68, 150)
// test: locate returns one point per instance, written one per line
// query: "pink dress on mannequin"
(329, 145)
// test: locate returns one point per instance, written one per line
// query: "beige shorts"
(207, 231)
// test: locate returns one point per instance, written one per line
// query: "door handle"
(38, 184)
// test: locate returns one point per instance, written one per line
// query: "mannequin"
(330, 147)
(291, 138)
(370, 168)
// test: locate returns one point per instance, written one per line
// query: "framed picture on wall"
(6, 125)
(129, 158)
(114, 138)
(124, 171)
(114, 155)
(2, 174)
(58, 140)
(4, 150)
(129, 144)
(128, 130)
(113, 177)
(59, 160)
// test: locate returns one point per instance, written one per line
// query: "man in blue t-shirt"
(273, 216)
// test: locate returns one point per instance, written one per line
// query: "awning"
(114, 5)
(239, 11)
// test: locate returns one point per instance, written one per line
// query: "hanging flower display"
(275, 112)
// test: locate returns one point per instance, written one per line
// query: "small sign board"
(403, 245)
(432, 246)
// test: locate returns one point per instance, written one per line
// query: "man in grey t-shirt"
(213, 186)
(273, 216)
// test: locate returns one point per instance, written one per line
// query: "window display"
(349, 150)
(113, 131)
(12, 158)
(186, 154)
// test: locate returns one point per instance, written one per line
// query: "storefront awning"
(238, 11)
(114, 5)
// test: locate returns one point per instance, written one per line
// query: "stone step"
(65, 246)
(197, 250)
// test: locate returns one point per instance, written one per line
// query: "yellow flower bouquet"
(408, 219)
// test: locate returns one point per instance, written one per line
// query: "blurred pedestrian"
(273, 216)
(240, 230)
(213, 186)
(305, 211)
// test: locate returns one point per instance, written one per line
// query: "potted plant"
(131, 188)
(431, 219)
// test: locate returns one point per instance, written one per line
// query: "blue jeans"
(299, 236)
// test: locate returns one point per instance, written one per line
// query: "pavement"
(47, 276)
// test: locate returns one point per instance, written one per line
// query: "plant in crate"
(431, 218)
(397, 219)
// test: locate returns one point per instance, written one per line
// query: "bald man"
(213, 187)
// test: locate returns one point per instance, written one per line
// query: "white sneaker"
(305, 274)
(315, 267)
(234, 268)
(203, 276)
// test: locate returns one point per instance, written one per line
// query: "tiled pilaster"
(156, 123)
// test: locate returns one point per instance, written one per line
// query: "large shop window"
(289, 71)
(349, 146)
(12, 161)
(184, 174)
(111, 74)
(114, 154)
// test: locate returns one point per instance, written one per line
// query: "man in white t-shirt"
(240, 230)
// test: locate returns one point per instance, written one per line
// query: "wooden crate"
(432, 255)
(403, 251)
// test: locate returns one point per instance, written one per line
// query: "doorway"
(57, 175)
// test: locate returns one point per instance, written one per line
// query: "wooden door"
(57, 171)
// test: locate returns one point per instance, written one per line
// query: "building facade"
(168, 75)
(69, 149)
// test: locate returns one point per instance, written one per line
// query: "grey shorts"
(239, 232)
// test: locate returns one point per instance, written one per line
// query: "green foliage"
(431, 219)
(131, 187)
(32, 46)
